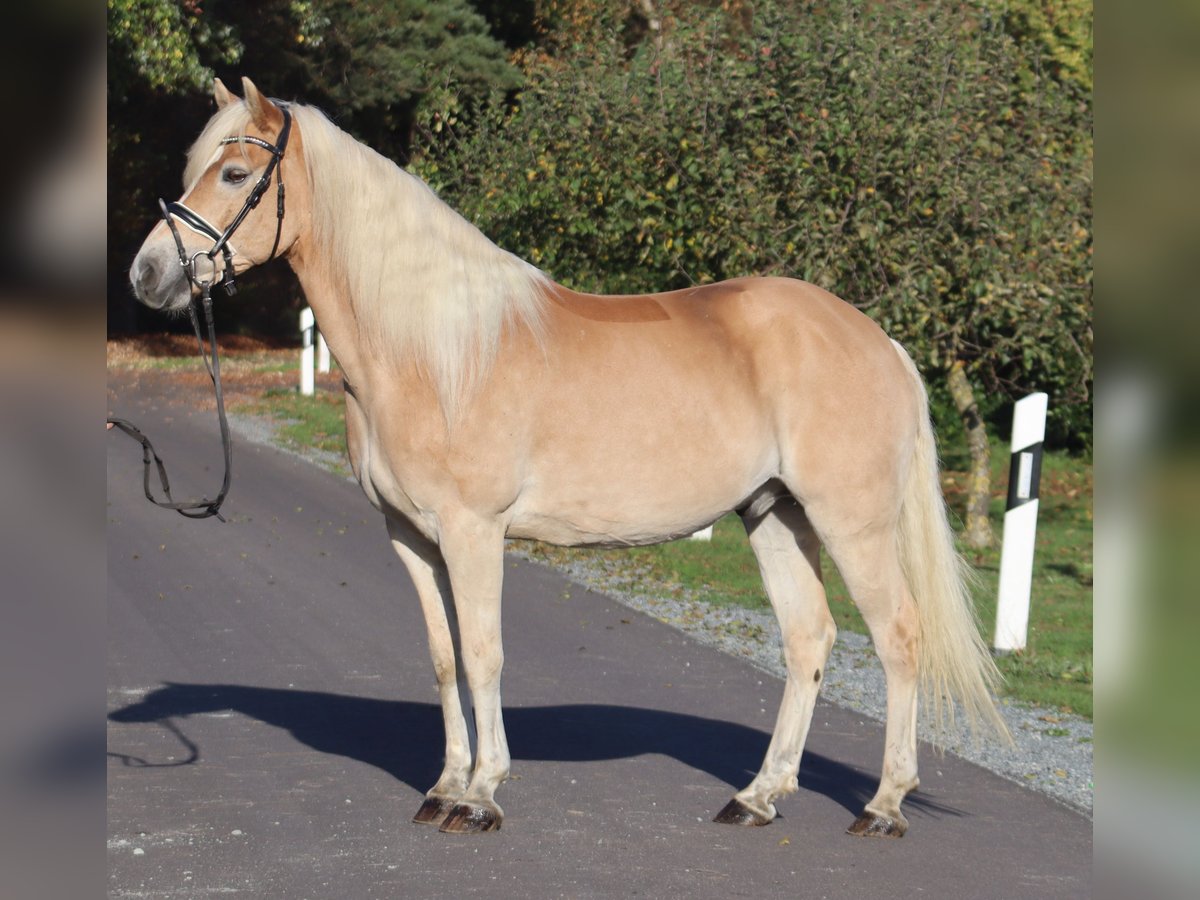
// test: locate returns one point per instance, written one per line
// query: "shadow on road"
(404, 738)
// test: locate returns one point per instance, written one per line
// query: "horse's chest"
(389, 472)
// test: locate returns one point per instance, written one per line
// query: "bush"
(896, 156)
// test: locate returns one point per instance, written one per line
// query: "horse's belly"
(632, 464)
(631, 510)
(591, 530)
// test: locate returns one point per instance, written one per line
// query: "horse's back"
(764, 344)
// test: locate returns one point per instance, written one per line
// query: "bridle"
(202, 509)
(197, 223)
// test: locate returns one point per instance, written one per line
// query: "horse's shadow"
(404, 738)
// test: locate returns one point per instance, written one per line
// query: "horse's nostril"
(147, 279)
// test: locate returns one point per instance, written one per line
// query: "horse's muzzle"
(159, 281)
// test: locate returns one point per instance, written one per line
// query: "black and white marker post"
(1020, 523)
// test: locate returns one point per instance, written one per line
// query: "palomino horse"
(474, 385)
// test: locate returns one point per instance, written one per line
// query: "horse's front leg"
(428, 570)
(473, 548)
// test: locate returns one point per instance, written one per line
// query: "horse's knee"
(483, 665)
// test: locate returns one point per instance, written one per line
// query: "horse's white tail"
(955, 664)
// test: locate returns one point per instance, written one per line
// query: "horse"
(474, 385)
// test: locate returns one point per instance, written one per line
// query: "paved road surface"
(273, 724)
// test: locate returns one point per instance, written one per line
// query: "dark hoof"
(738, 813)
(433, 811)
(871, 825)
(467, 818)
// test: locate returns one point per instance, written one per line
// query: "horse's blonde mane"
(425, 284)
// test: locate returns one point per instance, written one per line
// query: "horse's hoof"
(467, 818)
(738, 813)
(434, 811)
(871, 824)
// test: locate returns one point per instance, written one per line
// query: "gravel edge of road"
(1052, 752)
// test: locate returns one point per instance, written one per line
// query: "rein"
(202, 509)
(193, 509)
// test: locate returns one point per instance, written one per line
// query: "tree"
(977, 531)
(372, 62)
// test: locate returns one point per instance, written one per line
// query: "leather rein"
(202, 509)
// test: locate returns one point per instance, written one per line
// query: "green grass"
(318, 421)
(269, 365)
(166, 363)
(265, 363)
(1056, 668)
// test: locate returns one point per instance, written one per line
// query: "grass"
(243, 366)
(1054, 671)
(165, 363)
(318, 421)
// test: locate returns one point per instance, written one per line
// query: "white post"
(307, 325)
(1020, 523)
(1130, 408)
(704, 534)
(322, 353)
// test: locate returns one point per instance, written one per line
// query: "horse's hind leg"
(788, 554)
(424, 563)
(869, 563)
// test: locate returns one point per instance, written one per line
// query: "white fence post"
(1130, 408)
(322, 353)
(1020, 523)
(704, 534)
(307, 326)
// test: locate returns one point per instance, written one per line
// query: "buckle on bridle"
(203, 284)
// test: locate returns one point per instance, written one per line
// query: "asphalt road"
(272, 725)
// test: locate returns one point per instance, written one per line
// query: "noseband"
(197, 223)
(201, 509)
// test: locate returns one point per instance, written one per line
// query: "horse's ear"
(263, 112)
(222, 94)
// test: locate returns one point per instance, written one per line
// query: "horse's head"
(233, 214)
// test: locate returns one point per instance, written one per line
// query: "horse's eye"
(234, 176)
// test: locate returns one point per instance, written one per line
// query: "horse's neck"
(330, 303)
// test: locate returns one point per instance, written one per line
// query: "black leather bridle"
(197, 223)
(202, 509)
